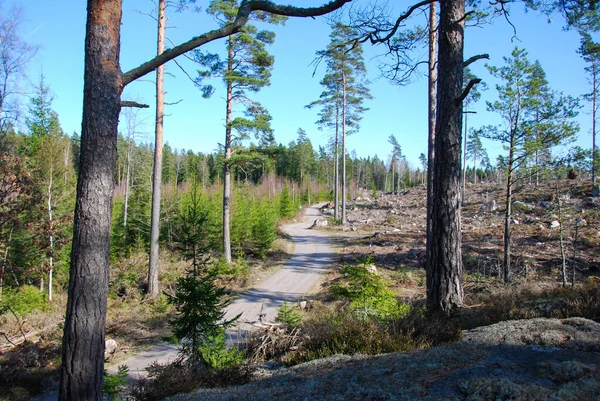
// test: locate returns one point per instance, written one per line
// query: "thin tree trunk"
(343, 144)
(594, 72)
(126, 203)
(508, 213)
(50, 238)
(393, 173)
(3, 267)
(84, 330)
(336, 167)
(226, 164)
(444, 264)
(464, 158)
(153, 267)
(431, 115)
(563, 257)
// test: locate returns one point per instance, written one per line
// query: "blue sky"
(58, 27)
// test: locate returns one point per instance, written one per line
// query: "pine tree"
(521, 102)
(590, 51)
(247, 68)
(476, 152)
(341, 102)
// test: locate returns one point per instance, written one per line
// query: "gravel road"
(312, 256)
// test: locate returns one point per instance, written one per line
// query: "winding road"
(312, 257)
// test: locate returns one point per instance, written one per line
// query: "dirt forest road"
(312, 256)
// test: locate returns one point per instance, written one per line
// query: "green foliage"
(199, 302)
(289, 315)
(368, 292)
(24, 300)
(113, 385)
(264, 229)
(217, 356)
(286, 206)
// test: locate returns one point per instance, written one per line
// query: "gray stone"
(489, 207)
(554, 224)
(546, 204)
(320, 223)
(110, 346)
(595, 190)
(519, 206)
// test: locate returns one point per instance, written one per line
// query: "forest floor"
(390, 231)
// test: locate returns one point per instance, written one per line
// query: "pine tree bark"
(153, 267)
(594, 100)
(227, 164)
(431, 106)
(83, 340)
(343, 144)
(444, 264)
(336, 166)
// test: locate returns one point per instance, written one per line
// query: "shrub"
(368, 292)
(113, 385)
(327, 332)
(287, 314)
(217, 356)
(25, 300)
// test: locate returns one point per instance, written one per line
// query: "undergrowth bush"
(179, 377)
(24, 300)
(289, 315)
(531, 301)
(369, 294)
(330, 331)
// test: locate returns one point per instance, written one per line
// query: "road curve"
(312, 256)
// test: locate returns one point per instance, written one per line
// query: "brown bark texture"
(431, 100)
(83, 341)
(153, 267)
(444, 264)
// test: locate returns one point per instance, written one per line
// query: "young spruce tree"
(199, 301)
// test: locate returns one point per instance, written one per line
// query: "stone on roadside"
(320, 223)
(554, 224)
(110, 346)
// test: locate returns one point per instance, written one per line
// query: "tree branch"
(241, 19)
(129, 103)
(373, 36)
(473, 59)
(466, 91)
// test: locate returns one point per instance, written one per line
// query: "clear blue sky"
(58, 27)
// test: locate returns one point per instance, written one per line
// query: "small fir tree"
(200, 303)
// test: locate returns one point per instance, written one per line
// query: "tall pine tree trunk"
(464, 158)
(158, 148)
(83, 339)
(343, 144)
(444, 264)
(431, 106)
(508, 210)
(594, 100)
(226, 164)
(336, 166)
